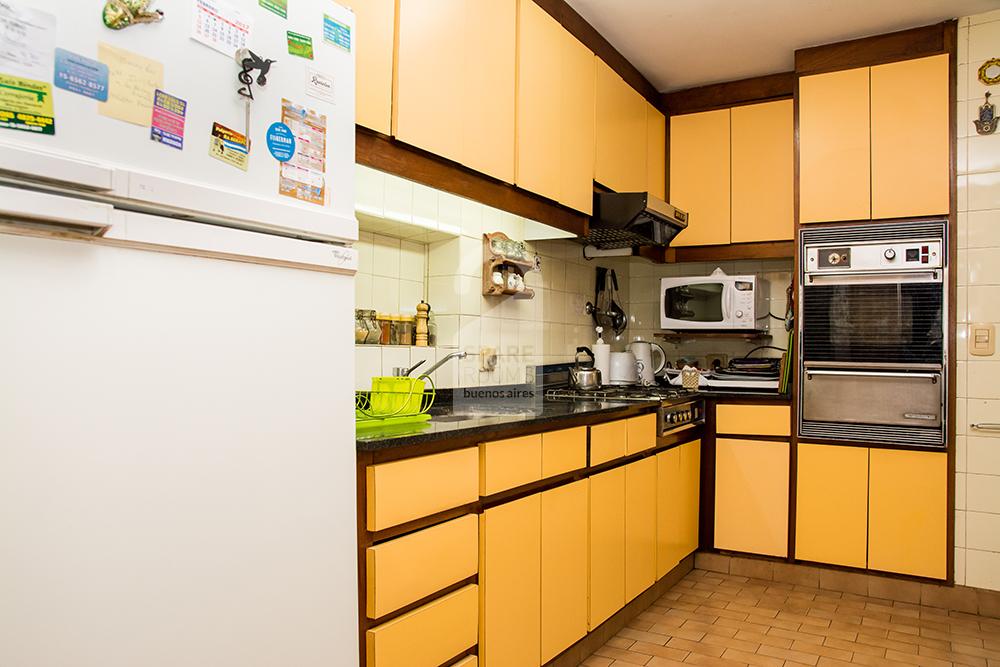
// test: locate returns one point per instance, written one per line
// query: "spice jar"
(385, 328)
(405, 334)
(360, 327)
(374, 330)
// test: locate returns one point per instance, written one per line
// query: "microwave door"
(694, 305)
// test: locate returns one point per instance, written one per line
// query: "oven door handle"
(986, 426)
(875, 277)
(884, 374)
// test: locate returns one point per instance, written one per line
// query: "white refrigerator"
(177, 459)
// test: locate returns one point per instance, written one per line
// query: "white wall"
(977, 477)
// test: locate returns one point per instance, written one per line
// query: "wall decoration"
(120, 14)
(987, 121)
(989, 72)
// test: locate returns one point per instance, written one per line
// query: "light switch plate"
(982, 340)
(487, 359)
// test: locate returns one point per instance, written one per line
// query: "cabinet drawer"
(401, 491)
(428, 636)
(471, 661)
(641, 433)
(447, 553)
(608, 441)
(504, 464)
(564, 451)
(753, 419)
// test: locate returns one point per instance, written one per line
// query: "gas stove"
(679, 408)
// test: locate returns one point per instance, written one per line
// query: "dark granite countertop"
(447, 422)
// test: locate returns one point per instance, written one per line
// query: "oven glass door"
(698, 303)
(883, 323)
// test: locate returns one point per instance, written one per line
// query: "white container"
(602, 356)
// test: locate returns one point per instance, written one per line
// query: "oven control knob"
(889, 254)
(834, 258)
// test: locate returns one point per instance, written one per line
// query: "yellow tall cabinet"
(640, 526)
(621, 145)
(510, 584)
(874, 142)
(907, 512)
(607, 545)
(564, 568)
(700, 175)
(831, 515)
(910, 143)
(555, 110)
(375, 27)
(454, 83)
(763, 172)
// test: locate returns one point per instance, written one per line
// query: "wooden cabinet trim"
(926, 40)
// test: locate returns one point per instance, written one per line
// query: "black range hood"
(632, 219)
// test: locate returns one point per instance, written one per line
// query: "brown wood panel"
(731, 252)
(730, 93)
(593, 40)
(385, 154)
(903, 45)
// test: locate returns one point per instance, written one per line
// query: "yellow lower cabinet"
(564, 567)
(608, 441)
(690, 496)
(641, 433)
(401, 491)
(447, 553)
(669, 502)
(640, 526)
(908, 512)
(751, 496)
(510, 584)
(504, 464)
(564, 451)
(607, 545)
(428, 636)
(831, 504)
(753, 419)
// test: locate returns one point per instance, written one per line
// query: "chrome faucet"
(441, 362)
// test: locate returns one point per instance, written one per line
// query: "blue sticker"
(336, 33)
(81, 75)
(280, 142)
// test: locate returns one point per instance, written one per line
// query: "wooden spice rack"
(503, 254)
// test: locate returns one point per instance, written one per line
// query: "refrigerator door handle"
(27, 207)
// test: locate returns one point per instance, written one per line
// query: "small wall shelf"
(729, 335)
(511, 260)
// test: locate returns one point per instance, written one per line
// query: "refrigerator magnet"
(229, 146)
(167, 124)
(280, 142)
(81, 75)
(336, 33)
(300, 45)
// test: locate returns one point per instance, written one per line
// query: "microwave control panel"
(743, 303)
(896, 255)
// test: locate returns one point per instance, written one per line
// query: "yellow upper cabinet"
(488, 62)
(834, 156)
(620, 155)
(831, 504)
(700, 175)
(427, 103)
(908, 512)
(656, 152)
(910, 138)
(555, 110)
(454, 84)
(375, 26)
(763, 156)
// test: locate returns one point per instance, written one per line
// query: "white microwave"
(714, 302)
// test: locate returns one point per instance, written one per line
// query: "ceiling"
(683, 43)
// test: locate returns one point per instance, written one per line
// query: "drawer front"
(608, 441)
(641, 433)
(447, 553)
(564, 451)
(405, 490)
(753, 419)
(471, 661)
(504, 464)
(428, 636)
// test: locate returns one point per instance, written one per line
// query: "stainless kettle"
(584, 378)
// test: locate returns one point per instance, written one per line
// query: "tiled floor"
(727, 620)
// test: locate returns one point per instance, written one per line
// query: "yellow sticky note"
(132, 82)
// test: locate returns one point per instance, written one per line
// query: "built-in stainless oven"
(873, 333)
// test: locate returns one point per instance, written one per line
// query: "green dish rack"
(394, 400)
